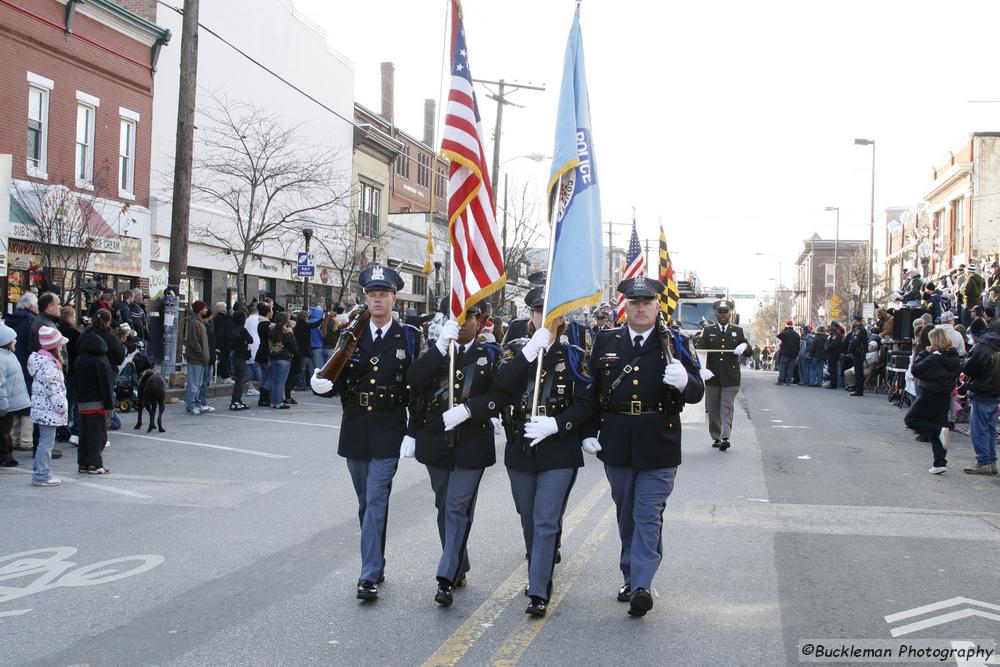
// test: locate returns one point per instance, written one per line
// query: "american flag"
(477, 268)
(635, 265)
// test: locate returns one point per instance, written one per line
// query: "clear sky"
(732, 122)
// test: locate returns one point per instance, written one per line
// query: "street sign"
(742, 296)
(306, 271)
(306, 258)
(868, 311)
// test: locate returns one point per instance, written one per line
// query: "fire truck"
(695, 303)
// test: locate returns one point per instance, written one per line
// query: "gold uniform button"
(458, 386)
(369, 408)
(375, 369)
(634, 396)
(372, 380)
(635, 382)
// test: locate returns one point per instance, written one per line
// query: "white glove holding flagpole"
(740, 349)
(452, 417)
(706, 374)
(675, 375)
(449, 332)
(540, 340)
(540, 428)
(497, 425)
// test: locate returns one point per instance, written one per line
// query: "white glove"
(540, 428)
(320, 384)
(591, 445)
(455, 416)
(706, 374)
(540, 340)
(407, 448)
(497, 425)
(740, 349)
(448, 332)
(675, 375)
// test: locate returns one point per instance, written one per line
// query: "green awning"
(18, 214)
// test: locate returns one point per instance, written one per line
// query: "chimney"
(388, 70)
(144, 8)
(429, 109)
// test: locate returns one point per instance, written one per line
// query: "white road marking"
(804, 458)
(16, 612)
(788, 426)
(937, 606)
(203, 444)
(776, 421)
(112, 489)
(282, 421)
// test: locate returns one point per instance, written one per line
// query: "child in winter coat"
(49, 407)
(13, 394)
(937, 368)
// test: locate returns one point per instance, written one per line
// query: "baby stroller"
(127, 385)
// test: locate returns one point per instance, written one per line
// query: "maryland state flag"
(668, 299)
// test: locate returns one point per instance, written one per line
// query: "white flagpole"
(548, 282)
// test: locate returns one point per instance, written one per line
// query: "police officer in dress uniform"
(373, 431)
(456, 444)
(857, 346)
(640, 392)
(518, 328)
(543, 454)
(722, 381)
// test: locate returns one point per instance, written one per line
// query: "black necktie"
(461, 350)
(378, 337)
(637, 344)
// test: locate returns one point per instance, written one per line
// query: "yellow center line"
(462, 640)
(512, 649)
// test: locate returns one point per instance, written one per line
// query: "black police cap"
(722, 306)
(641, 288)
(378, 277)
(535, 298)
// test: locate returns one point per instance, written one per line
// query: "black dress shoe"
(715, 443)
(367, 590)
(724, 445)
(625, 593)
(463, 582)
(56, 454)
(855, 393)
(538, 606)
(444, 596)
(558, 556)
(640, 603)
(381, 577)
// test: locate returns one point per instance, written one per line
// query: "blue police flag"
(574, 278)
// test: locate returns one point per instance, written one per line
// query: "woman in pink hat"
(49, 407)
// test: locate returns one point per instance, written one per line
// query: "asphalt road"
(233, 541)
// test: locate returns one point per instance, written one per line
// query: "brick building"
(817, 280)
(76, 120)
(958, 220)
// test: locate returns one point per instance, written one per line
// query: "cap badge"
(378, 273)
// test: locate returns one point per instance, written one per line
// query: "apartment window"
(403, 162)
(369, 204)
(958, 226)
(38, 125)
(939, 225)
(86, 111)
(419, 285)
(828, 281)
(441, 184)
(126, 153)
(424, 170)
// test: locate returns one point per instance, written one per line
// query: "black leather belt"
(380, 399)
(522, 413)
(634, 407)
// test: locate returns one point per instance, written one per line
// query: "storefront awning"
(55, 215)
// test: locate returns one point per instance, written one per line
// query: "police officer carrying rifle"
(543, 454)
(373, 431)
(456, 444)
(643, 376)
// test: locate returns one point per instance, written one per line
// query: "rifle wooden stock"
(348, 342)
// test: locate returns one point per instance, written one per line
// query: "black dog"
(152, 392)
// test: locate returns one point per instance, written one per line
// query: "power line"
(262, 66)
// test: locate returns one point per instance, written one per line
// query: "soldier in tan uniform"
(722, 388)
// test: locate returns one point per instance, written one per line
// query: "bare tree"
(269, 179)
(525, 222)
(347, 250)
(771, 317)
(64, 229)
(852, 283)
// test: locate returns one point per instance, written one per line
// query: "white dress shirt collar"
(632, 333)
(373, 328)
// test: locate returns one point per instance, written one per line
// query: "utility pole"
(503, 236)
(181, 206)
(504, 88)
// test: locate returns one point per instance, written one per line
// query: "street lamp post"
(777, 290)
(871, 227)
(308, 233)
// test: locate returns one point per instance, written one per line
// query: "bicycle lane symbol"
(51, 569)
